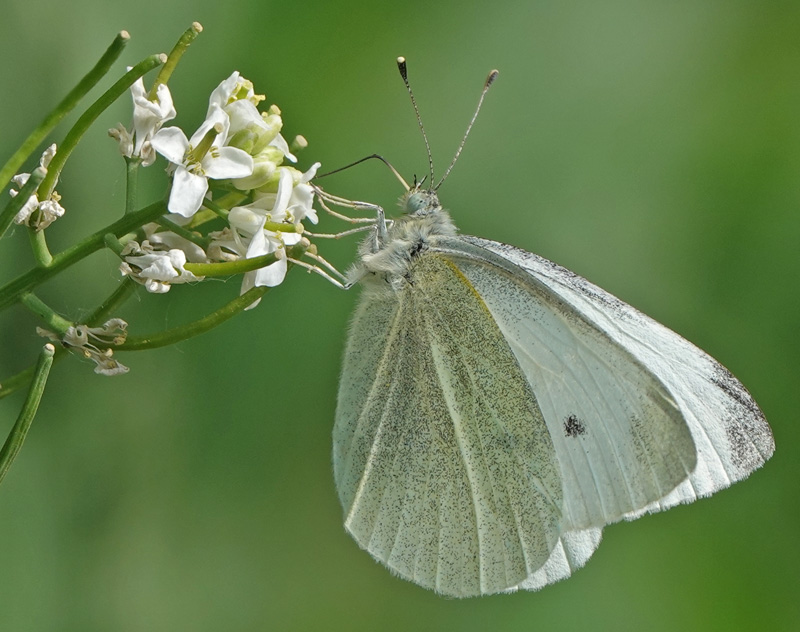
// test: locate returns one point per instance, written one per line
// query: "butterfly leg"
(318, 269)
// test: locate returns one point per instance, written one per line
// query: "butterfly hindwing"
(445, 468)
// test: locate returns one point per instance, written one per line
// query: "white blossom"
(162, 239)
(234, 88)
(190, 179)
(157, 270)
(250, 237)
(49, 210)
(265, 242)
(94, 343)
(148, 117)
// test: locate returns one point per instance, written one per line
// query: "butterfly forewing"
(730, 433)
(620, 438)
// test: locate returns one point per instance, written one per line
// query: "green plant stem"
(62, 109)
(41, 253)
(113, 244)
(101, 313)
(227, 268)
(16, 382)
(131, 183)
(88, 117)
(174, 57)
(54, 321)
(186, 234)
(216, 208)
(18, 201)
(184, 332)
(16, 437)
(11, 292)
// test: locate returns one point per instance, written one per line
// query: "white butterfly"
(497, 410)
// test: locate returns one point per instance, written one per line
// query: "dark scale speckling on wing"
(574, 427)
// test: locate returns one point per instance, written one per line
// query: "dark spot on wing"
(574, 427)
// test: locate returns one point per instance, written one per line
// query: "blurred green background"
(652, 147)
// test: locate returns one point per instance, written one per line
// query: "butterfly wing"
(727, 428)
(442, 460)
(572, 551)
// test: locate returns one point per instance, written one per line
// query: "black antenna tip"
(401, 66)
(492, 76)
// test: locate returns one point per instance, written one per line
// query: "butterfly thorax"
(386, 264)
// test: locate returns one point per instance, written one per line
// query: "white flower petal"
(228, 162)
(259, 244)
(222, 93)
(301, 204)
(271, 275)
(215, 115)
(47, 156)
(290, 239)
(149, 116)
(242, 114)
(285, 186)
(171, 143)
(244, 220)
(280, 142)
(312, 171)
(188, 191)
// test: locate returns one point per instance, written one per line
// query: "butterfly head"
(420, 202)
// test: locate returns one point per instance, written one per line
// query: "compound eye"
(415, 202)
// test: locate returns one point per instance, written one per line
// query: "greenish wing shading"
(443, 462)
(622, 441)
(731, 435)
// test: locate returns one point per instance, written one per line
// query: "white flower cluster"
(94, 343)
(155, 269)
(49, 210)
(148, 117)
(243, 147)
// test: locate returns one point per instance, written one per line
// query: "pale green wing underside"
(443, 463)
(622, 443)
(730, 434)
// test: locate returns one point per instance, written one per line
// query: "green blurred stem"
(11, 292)
(216, 208)
(39, 247)
(184, 332)
(174, 57)
(227, 268)
(54, 321)
(123, 292)
(88, 117)
(17, 435)
(62, 109)
(220, 208)
(186, 234)
(131, 183)
(18, 201)
(16, 382)
(113, 244)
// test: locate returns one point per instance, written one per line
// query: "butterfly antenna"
(401, 66)
(489, 81)
(358, 162)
